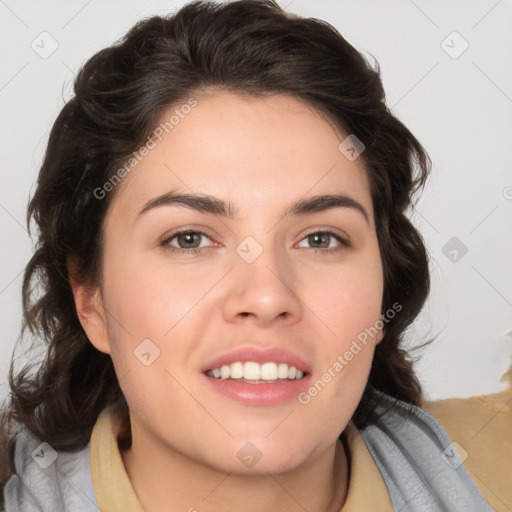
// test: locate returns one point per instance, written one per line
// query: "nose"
(263, 292)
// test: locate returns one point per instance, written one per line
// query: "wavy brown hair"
(249, 47)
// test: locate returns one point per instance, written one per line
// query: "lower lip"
(259, 393)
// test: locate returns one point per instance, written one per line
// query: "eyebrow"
(205, 203)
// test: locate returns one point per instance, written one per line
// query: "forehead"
(254, 151)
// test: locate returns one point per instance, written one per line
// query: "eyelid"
(326, 229)
(179, 231)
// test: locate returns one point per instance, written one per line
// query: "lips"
(257, 392)
(259, 355)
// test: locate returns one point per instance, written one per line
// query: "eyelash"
(165, 243)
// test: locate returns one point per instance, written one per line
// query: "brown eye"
(325, 241)
(188, 240)
(185, 241)
(319, 240)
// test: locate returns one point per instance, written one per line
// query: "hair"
(249, 47)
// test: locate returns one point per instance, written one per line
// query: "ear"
(90, 310)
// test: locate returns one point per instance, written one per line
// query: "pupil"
(317, 237)
(187, 238)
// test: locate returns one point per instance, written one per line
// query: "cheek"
(148, 309)
(147, 301)
(156, 317)
(347, 299)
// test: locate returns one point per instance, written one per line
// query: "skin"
(262, 154)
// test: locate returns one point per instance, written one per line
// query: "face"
(249, 279)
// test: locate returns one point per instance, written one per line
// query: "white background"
(459, 108)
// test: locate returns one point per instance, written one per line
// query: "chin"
(258, 457)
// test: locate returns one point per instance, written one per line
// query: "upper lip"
(258, 355)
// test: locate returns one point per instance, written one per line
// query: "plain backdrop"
(446, 70)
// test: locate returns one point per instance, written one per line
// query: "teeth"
(224, 372)
(255, 371)
(237, 371)
(282, 371)
(252, 371)
(268, 371)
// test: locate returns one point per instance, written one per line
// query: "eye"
(326, 241)
(189, 241)
(185, 241)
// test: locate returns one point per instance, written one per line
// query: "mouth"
(252, 372)
(256, 376)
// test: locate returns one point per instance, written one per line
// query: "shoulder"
(481, 430)
(47, 479)
(418, 461)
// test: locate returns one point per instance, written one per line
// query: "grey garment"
(418, 462)
(415, 457)
(49, 481)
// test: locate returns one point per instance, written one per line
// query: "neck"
(164, 479)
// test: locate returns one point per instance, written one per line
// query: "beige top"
(480, 426)
(114, 491)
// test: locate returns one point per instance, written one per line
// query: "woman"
(227, 272)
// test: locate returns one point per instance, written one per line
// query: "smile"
(255, 372)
